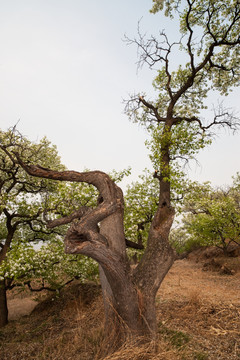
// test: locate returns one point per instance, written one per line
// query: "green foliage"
(179, 240)
(209, 28)
(46, 266)
(211, 216)
(158, 5)
(183, 142)
(19, 193)
(15, 180)
(69, 197)
(118, 176)
(185, 243)
(23, 197)
(141, 201)
(24, 200)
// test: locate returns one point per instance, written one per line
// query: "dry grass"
(198, 318)
(68, 327)
(213, 329)
(156, 350)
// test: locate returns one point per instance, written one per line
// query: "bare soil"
(20, 307)
(198, 318)
(188, 279)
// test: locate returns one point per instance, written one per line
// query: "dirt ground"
(20, 307)
(186, 279)
(198, 319)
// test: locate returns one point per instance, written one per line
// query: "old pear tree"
(209, 40)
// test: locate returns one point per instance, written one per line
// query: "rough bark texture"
(129, 297)
(3, 305)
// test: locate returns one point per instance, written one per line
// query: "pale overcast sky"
(64, 71)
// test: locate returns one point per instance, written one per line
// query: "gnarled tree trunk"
(129, 295)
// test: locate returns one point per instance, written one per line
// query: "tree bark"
(3, 304)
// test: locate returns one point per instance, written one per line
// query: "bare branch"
(44, 287)
(223, 117)
(134, 107)
(153, 108)
(67, 219)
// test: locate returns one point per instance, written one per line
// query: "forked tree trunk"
(129, 295)
(3, 304)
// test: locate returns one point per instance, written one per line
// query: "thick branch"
(99, 179)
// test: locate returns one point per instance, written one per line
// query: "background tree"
(211, 216)
(210, 41)
(44, 268)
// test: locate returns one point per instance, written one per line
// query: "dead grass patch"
(213, 329)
